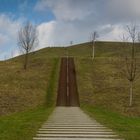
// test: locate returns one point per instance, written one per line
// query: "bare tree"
(27, 40)
(94, 36)
(130, 58)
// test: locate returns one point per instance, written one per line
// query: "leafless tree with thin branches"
(27, 40)
(94, 36)
(130, 58)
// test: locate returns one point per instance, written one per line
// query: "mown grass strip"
(127, 127)
(50, 97)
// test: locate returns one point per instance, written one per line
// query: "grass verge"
(126, 127)
(52, 86)
(23, 126)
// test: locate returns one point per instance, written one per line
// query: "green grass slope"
(103, 90)
(101, 81)
(27, 97)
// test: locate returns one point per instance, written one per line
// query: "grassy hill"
(27, 97)
(103, 90)
(20, 89)
(101, 81)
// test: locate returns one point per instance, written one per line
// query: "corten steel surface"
(62, 85)
(67, 88)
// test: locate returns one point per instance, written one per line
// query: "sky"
(60, 21)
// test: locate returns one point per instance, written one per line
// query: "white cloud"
(41, 5)
(45, 34)
(67, 9)
(112, 32)
(59, 33)
(8, 34)
(101, 10)
(76, 19)
(8, 26)
(3, 39)
(125, 8)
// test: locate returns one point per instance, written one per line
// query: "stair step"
(71, 132)
(48, 138)
(72, 125)
(80, 127)
(76, 135)
(71, 129)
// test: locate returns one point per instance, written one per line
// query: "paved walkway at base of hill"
(71, 123)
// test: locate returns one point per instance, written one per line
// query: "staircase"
(71, 123)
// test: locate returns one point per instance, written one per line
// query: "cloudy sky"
(61, 21)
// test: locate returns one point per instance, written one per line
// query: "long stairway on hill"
(71, 123)
(68, 121)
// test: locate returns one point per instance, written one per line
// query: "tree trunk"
(131, 93)
(26, 61)
(93, 51)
